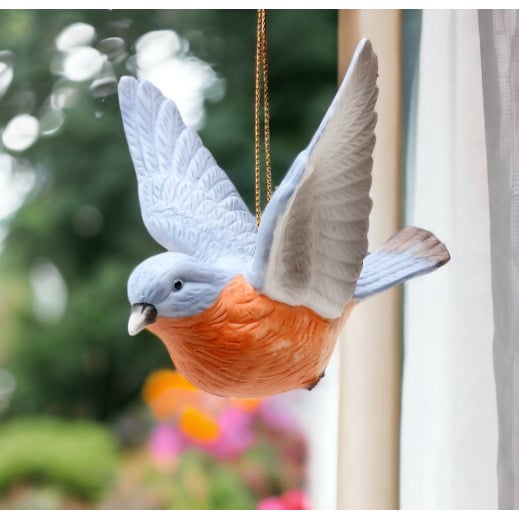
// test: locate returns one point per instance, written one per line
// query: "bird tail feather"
(410, 252)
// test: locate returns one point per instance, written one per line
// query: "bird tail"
(410, 252)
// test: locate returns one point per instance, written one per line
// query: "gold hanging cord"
(261, 72)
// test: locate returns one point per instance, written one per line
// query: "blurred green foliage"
(85, 365)
(80, 457)
(202, 483)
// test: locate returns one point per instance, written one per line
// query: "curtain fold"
(499, 39)
(449, 425)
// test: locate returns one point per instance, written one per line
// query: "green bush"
(78, 456)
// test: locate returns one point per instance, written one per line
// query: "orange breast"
(247, 345)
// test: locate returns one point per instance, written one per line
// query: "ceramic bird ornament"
(247, 312)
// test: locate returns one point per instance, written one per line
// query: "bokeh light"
(21, 132)
(49, 291)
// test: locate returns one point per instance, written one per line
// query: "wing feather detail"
(313, 236)
(409, 253)
(188, 204)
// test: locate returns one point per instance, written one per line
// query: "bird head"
(172, 285)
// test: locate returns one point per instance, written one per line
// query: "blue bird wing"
(312, 239)
(409, 253)
(188, 204)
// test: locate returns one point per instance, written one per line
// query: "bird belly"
(248, 345)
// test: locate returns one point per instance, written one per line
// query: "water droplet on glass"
(21, 132)
(64, 96)
(113, 48)
(6, 70)
(103, 87)
(83, 63)
(106, 82)
(75, 35)
(51, 119)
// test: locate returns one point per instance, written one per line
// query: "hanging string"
(261, 73)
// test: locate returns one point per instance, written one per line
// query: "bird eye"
(177, 285)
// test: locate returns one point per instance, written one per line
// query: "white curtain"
(449, 424)
(464, 115)
(499, 34)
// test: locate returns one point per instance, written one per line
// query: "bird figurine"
(246, 311)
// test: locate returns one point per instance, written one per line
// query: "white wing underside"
(318, 233)
(187, 202)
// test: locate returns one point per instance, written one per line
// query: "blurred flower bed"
(185, 450)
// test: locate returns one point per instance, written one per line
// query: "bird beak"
(142, 315)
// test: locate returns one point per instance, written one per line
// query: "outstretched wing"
(313, 235)
(188, 203)
(409, 253)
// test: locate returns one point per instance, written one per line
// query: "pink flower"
(294, 499)
(236, 433)
(271, 503)
(273, 411)
(165, 442)
(234, 437)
